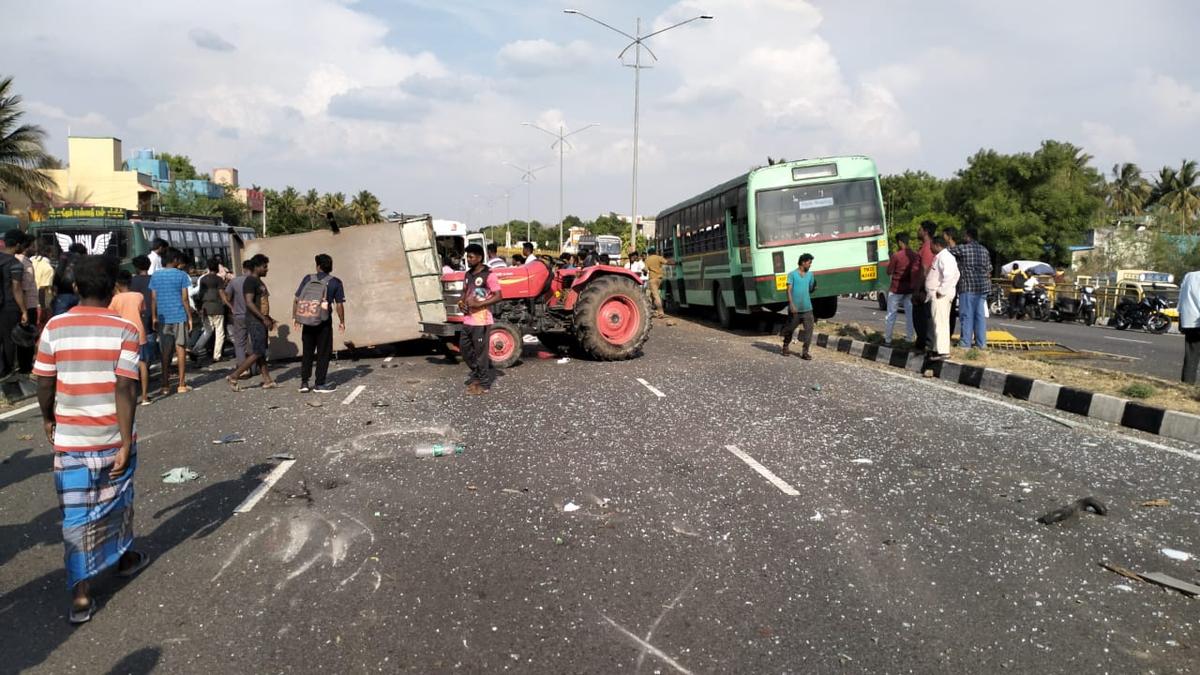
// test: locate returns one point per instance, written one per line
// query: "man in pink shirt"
(481, 289)
(922, 309)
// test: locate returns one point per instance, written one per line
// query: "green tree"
(181, 166)
(1129, 192)
(21, 149)
(911, 194)
(365, 208)
(1178, 192)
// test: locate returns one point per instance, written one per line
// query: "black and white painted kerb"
(1168, 423)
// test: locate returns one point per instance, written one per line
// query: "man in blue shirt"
(171, 315)
(800, 286)
(317, 298)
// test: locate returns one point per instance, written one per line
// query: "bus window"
(798, 213)
(189, 236)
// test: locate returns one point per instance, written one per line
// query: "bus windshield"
(805, 213)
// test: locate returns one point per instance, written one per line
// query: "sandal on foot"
(271, 385)
(79, 616)
(234, 384)
(142, 561)
(183, 390)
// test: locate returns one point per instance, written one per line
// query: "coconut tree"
(332, 202)
(1179, 193)
(1128, 192)
(365, 207)
(21, 149)
(310, 200)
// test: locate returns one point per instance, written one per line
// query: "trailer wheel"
(612, 319)
(504, 345)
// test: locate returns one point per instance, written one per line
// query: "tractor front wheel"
(504, 345)
(612, 319)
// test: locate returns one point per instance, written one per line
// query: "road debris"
(472, 488)
(1171, 582)
(1154, 503)
(1123, 571)
(1175, 554)
(682, 529)
(564, 360)
(180, 474)
(313, 403)
(282, 455)
(229, 438)
(861, 460)
(25, 437)
(439, 449)
(515, 491)
(570, 507)
(380, 404)
(1066, 512)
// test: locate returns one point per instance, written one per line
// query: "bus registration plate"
(781, 282)
(868, 273)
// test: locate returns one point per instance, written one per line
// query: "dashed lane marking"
(272, 478)
(652, 389)
(763, 471)
(1140, 342)
(18, 411)
(354, 394)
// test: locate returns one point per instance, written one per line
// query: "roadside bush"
(1138, 390)
(973, 354)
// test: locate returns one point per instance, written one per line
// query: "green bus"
(128, 234)
(734, 245)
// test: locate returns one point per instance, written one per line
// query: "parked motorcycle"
(1072, 309)
(1144, 315)
(997, 299)
(1037, 304)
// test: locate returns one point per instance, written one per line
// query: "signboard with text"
(85, 212)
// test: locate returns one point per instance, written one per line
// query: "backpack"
(312, 308)
(1018, 279)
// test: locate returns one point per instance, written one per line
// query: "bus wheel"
(824, 308)
(724, 313)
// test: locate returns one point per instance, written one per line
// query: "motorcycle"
(1037, 304)
(1145, 315)
(1070, 309)
(997, 299)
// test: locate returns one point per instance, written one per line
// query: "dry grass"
(1169, 395)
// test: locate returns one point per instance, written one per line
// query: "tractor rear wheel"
(612, 319)
(504, 345)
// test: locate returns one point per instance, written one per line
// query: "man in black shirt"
(212, 310)
(258, 324)
(12, 303)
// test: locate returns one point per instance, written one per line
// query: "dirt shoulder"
(1156, 391)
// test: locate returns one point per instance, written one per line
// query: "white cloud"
(1107, 145)
(1174, 101)
(543, 57)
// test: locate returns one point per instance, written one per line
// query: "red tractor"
(599, 311)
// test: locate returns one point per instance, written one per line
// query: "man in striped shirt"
(87, 370)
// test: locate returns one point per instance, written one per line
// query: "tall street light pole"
(561, 141)
(638, 43)
(527, 176)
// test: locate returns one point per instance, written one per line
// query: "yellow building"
(95, 176)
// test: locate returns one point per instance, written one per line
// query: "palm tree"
(310, 200)
(365, 207)
(21, 150)
(1128, 192)
(332, 203)
(1180, 194)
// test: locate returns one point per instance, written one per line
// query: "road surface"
(709, 507)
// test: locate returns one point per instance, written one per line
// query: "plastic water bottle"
(439, 449)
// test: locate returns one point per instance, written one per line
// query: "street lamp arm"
(592, 18)
(594, 124)
(621, 56)
(681, 23)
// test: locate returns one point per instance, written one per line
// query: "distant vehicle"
(128, 234)
(601, 244)
(735, 244)
(453, 238)
(1069, 309)
(1146, 314)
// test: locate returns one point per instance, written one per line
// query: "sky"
(422, 101)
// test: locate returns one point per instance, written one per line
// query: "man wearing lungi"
(87, 369)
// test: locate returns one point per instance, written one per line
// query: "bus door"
(676, 254)
(736, 276)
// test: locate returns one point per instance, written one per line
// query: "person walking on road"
(1189, 325)
(212, 310)
(158, 249)
(235, 300)
(654, 275)
(12, 302)
(87, 369)
(258, 324)
(939, 288)
(1016, 292)
(481, 290)
(922, 307)
(131, 306)
(317, 297)
(43, 274)
(171, 316)
(20, 250)
(904, 269)
(975, 269)
(800, 285)
(494, 259)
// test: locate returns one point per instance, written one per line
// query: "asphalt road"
(1136, 351)
(594, 526)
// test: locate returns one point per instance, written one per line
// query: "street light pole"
(638, 42)
(561, 141)
(527, 175)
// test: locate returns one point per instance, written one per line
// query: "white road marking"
(647, 647)
(18, 411)
(272, 478)
(1140, 342)
(654, 391)
(763, 471)
(388, 360)
(988, 399)
(354, 394)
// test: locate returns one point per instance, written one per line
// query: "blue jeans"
(972, 313)
(893, 306)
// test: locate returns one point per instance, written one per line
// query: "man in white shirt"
(636, 265)
(157, 248)
(1189, 325)
(493, 257)
(940, 282)
(527, 251)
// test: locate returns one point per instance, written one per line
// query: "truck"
(396, 291)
